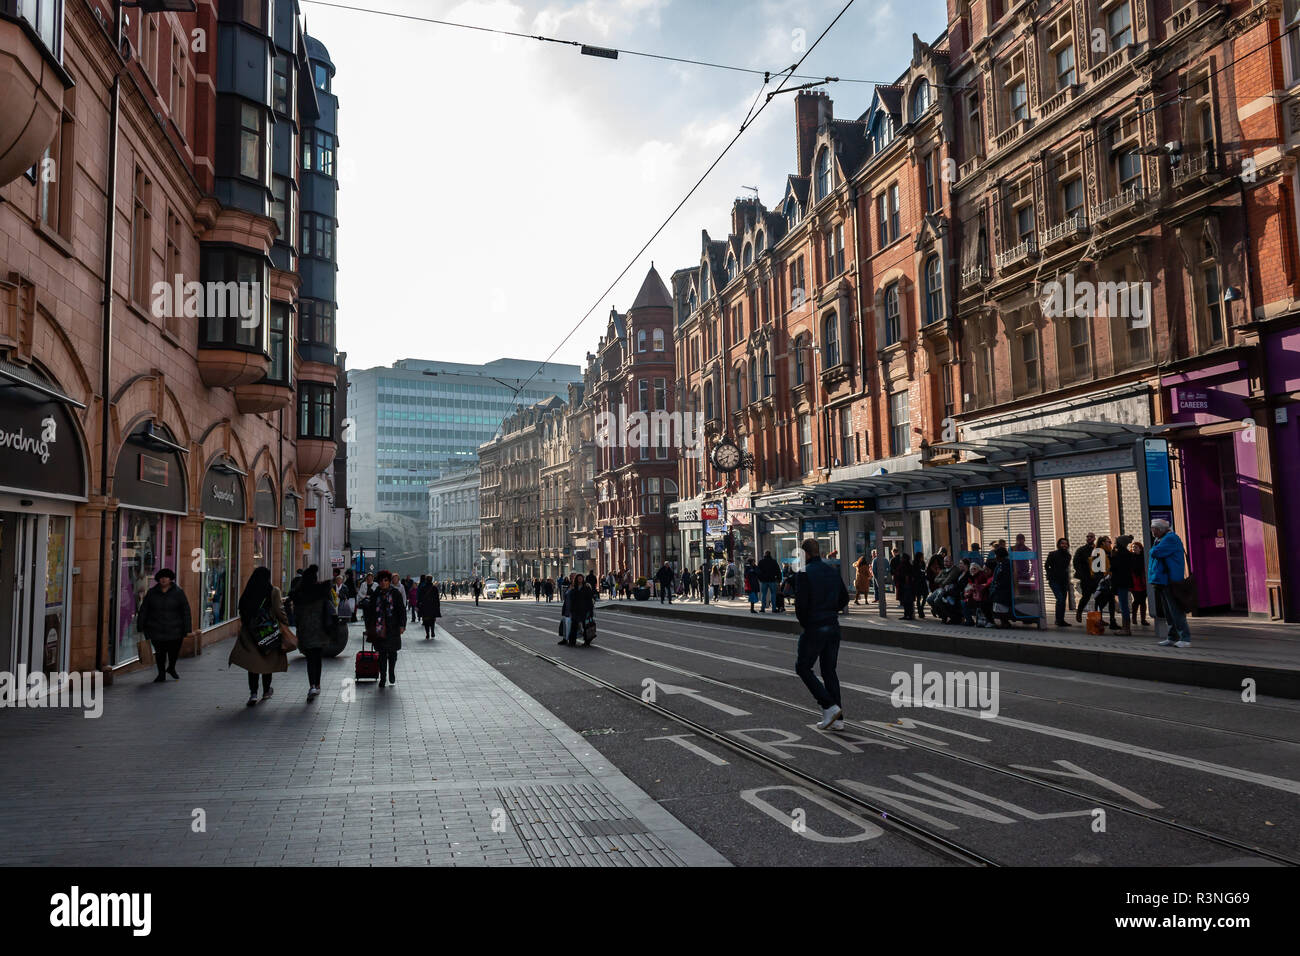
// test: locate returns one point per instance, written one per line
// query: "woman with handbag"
(429, 605)
(263, 629)
(582, 611)
(385, 622)
(316, 614)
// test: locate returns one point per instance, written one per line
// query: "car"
(490, 588)
(509, 590)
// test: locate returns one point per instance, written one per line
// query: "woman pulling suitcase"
(385, 622)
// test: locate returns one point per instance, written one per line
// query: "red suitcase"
(367, 665)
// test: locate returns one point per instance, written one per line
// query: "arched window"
(640, 340)
(893, 320)
(747, 256)
(739, 392)
(823, 174)
(760, 242)
(767, 373)
(920, 99)
(882, 131)
(658, 339)
(753, 380)
(800, 371)
(830, 341)
(692, 304)
(704, 282)
(708, 401)
(791, 213)
(933, 290)
(731, 268)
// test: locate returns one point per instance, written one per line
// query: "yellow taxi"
(509, 590)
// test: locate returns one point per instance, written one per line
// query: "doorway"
(34, 559)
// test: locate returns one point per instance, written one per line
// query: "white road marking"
(869, 831)
(696, 749)
(696, 695)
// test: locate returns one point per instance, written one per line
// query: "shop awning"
(18, 381)
(1053, 440)
(936, 478)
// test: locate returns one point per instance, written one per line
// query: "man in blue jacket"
(820, 595)
(1165, 565)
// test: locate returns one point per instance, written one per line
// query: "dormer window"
(760, 243)
(731, 267)
(791, 213)
(747, 256)
(882, 132)
(692, 303)
(920, 99)
(823, 174)
(704, 282)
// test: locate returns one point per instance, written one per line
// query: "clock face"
(726, 456)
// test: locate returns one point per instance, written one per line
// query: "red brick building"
(146, 435)
(630, 375)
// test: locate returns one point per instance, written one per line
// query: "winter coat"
(1165, 560)
(582, 604)
(314, 614)
(1083, 562)
(880, 569)
(863, 579)
(751, 579)
(1121, 568)
(768, 570)
(664, 576)
(429, 602)
(1002, 583)
(1057, 566)
(164, 618)
(245, 653)
(393, 608)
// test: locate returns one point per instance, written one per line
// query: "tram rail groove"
(1190, 829)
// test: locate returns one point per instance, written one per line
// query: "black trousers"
(165, 654)
(1085, 591)
(252, 682)
(313, 666)
(387, 662)
(820, 645)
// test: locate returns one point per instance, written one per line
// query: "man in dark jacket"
(164, 618)
(1083, 573)
(593, 584)
(664, 578)
(900, 569)
(820, 595)
(1057, 570)
(769, 578)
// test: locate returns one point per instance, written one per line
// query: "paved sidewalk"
(453, 765)
(1224, 651)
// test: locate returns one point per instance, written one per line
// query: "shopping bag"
(1095, 625)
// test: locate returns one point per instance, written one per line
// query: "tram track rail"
(878, 814)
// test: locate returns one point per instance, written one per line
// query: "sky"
(491, 188)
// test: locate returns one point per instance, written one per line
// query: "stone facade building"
(454, 525)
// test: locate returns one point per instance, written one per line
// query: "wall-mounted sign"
(710, 512)
(153, 471)
(1192, 400)
(309, 518)
(223, 496)
(1155, 454)
(609, 532)
(1017, 495)
(853, 504)
(40, 452)
(819, 525)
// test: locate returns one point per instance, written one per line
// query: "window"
(798, 290)
(251, 139)
(767, 373)
(920, 99)
(1129, 169)
(281, 342)
(1290, 19)
(805, 444)
(1015, 88)
(830, 341)
(800, 373)
(658, 339)
(315, 411)
(791, 213)
(823, 174)
(1019, 98)
(949, 395)
(882, 131)
(985, 388)
(893, 212)
(238, 299)
(847, 439)
(640, 340)
(1064, 66)
(45, 17)
(933, 290)
(738, 392)
(1072, 197)
(173, 261)
(834, 244)
(1027, 370)
(1080, 345)
(974, 125)
(55, 174)
(176, 89)
(753, 381)
(882, 221)
(318, 151)
(1025, 223)
(661, 395)
(321, 76)
(284, 208)
(282, 85)
(747, 255)
(141, 238)
(1060, 42)
(731, 268)
(900, 424)
(708, 402)
(650, 496)
(317, 235)
(1119, 26)
(893, 316)
(760, 243)
(1213, 304)
(317, 322)
(928, 182)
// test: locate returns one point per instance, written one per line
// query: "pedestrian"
(732, 580)
(581, 601)
(412, 596)
(364, 590)
(977, 582)
(478, 590)
(1139, 582)
(1166, 567)
(1057, 570)
(164, 619)
(861, 579)
(664, 578)
(594, 584)
(1121, 577)
(537, 591)
(1100, 567)
(315, 627)
(769, 580)
(261, 615)
(900, 570)
(385, 623)
(820, 596)
(1083, 573)
(351, 584)
(715, 580)
(879, 577)
(428, 602)
(1000, 589)
(752, 585)
(922, 583)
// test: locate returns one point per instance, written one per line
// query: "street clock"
(727, 456)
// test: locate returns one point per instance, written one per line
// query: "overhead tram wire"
(688, 61)
(749, 121)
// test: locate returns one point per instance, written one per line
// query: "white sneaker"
(829, 716)
(252, 700)
(838, 725)
(1166, 643)
(1182, 643)
(312, 692)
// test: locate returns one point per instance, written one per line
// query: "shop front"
(42, 478)
(149, 485)
(224, 515)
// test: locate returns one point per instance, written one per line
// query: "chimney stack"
(812, 110)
